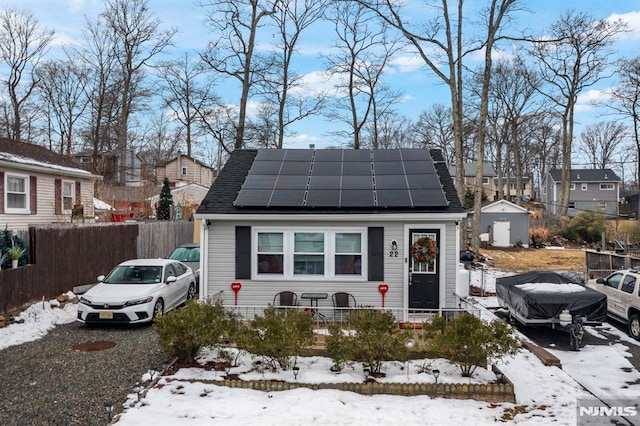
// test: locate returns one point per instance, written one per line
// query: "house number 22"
(393, 253)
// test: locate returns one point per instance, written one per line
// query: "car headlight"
(139, 301)
(85, 301)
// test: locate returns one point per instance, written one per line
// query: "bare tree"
(63, 88)
(23, 43)
(187, 90)
(575, 58)
(138, 39)
(440, 44)
(626, 102)
(96, 52)
(282, 86)
(434, 129)
(390, 130)
(236, 23)
(600, 142)
(364, 50)
(512, 89)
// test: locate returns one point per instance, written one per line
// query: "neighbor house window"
(572, 187)
(571, 205)
(585, 186)
(602, 205)
(312, 253)
(485, 181)
(184, 171)
(68, 195)
(606, 186)
(17, 194)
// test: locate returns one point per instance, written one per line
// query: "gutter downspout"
(204, 268)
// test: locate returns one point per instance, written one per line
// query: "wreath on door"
(424, 250)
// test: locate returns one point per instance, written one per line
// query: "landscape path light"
(296, 371)
(436, 374)
(138, 388)
(109, 409)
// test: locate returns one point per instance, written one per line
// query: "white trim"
(204, 259)
(72, 183)
(607, 184)
(423, 217)
(54, 170)
(328, 253)
(442, 263)
(27, 193)
(584, 187)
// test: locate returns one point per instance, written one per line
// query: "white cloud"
(632, 20)
(408, 63)
(592, 97)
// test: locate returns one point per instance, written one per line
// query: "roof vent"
(578, 176)
(606, 176)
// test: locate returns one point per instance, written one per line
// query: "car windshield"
(134, 275)
(186, 254)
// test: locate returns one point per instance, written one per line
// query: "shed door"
(424, 277)
(502, 234)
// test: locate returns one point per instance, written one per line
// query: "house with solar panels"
(381, 225)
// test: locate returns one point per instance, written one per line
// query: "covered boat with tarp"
(550, 298)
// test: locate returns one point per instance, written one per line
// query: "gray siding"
(518, 222)
(221, 268)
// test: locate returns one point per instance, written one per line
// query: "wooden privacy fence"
(601, 264)
(63, 256)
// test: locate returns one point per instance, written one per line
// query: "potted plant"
(15, 253)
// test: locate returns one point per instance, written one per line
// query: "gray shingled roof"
(225, 189)
(37, 153)
(586, 175)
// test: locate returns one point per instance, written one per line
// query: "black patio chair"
(285, 299)
(342, 301)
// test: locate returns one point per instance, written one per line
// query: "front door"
(424, 282)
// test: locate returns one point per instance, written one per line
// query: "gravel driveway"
(47, 382)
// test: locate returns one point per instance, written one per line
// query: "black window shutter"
(376, 253)
(243, 252)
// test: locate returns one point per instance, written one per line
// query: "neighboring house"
(591, 189)
(510, 190)
(325, 221)
(129, 202)
(506, 224)
(39, 186)
(108, 165)
(488, 174)
(184, 169)
(186, 199)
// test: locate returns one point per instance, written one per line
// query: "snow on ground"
(545, 395)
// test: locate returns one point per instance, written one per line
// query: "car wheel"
(634, 326)
(191, 293)
(158, 308)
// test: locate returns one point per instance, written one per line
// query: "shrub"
(538, 236)
(184, 332)
(277, 336)
(375, 338)
(585, 227)
(469, 342)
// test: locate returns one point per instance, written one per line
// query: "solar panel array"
(342, 178)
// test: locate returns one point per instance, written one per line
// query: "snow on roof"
(101, 205)
(26, 160)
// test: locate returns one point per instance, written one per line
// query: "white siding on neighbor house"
(221, 267)
(46, 202)
(196, 172)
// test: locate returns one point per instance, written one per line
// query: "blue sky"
(421, 88)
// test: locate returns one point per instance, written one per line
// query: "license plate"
(105, 315)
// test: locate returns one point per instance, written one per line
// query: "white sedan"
(138, 291)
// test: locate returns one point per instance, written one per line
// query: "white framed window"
(309, 253)
(485, 180)
(424, 267)
(16, 194)
(602, 205)
(571, 205)
(68, 195)
(606, 187)
(184, 170)
(572, 187)
(585, 187)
